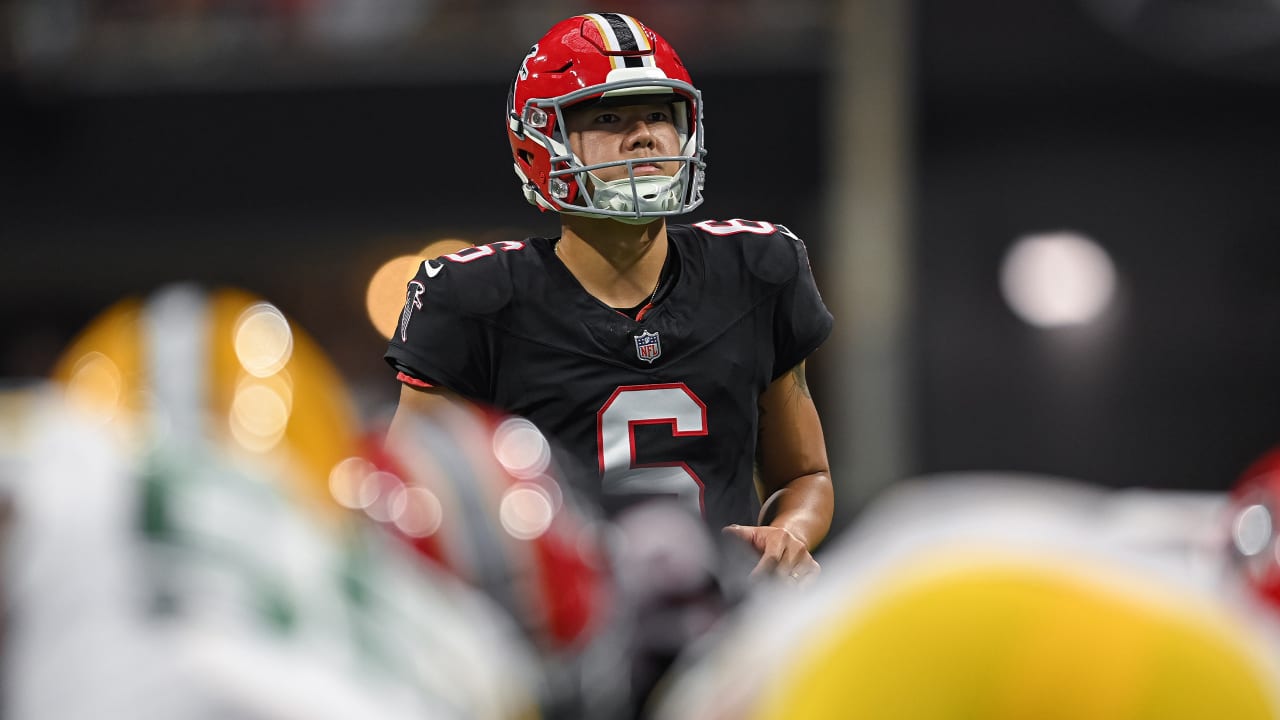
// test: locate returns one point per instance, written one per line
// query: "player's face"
(624, 132)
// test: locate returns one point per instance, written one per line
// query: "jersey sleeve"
(801, 321)
(436, 342)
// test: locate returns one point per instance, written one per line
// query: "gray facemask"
(650, 194)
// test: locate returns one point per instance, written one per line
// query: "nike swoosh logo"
(432, 270)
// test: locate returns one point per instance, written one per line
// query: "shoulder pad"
(476, 280)
(769, 250)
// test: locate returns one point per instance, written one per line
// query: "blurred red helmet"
(1255, 518)
(602, 57)
(476, 492)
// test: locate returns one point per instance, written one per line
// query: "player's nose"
(640, 136)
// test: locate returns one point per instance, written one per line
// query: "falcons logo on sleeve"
(413, 299)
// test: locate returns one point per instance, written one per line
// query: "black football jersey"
(666, 404)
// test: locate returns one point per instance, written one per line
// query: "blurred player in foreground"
(171, 548)
(608, 604)
(994, 598)
(663, 359)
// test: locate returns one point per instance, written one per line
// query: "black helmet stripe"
(626, 39)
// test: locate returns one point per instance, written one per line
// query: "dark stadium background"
(295, 174)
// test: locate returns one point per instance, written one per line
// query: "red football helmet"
(478, 493)
(606, 57)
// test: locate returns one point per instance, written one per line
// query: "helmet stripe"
(647, 56)
(623, 34)
(625, 37)
(607, 35)
(637, 30)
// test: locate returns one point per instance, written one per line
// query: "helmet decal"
(524, 66)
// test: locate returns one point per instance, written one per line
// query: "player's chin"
(667, 169)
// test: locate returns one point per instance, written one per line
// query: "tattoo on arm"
(796, 393)
(803, 384)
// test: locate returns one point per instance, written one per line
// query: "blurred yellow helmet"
(188, 364)
(991, 600)
(977, 635)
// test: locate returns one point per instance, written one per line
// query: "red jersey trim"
(411, 380)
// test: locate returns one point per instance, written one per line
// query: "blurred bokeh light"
(526, 511)
(96, 385)
(384, 296)
(1057, 279)
(263, 340)
(346, 478)
(521, 448)
(416, 511)
(260, 411)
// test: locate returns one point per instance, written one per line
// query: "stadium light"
(1057, 279)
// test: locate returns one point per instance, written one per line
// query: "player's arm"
(794, 472)
(415, 401)
(795, 477)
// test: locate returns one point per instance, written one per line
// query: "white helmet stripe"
(608, 35)
(642, 40)
(622, 33)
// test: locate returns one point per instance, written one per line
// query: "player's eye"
(607, 118)
(659, 116)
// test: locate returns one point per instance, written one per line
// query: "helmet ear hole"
(526, 157)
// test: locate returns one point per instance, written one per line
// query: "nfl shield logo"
(648, 346)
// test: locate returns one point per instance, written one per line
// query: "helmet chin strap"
(656, 193)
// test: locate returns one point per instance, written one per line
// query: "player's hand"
(782, 555)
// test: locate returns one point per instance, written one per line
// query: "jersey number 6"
(671, 404)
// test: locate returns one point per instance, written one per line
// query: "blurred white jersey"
(185, 584)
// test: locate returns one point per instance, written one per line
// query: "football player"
(663, 359)
(172, 550)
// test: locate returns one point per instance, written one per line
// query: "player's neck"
(617, 263)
